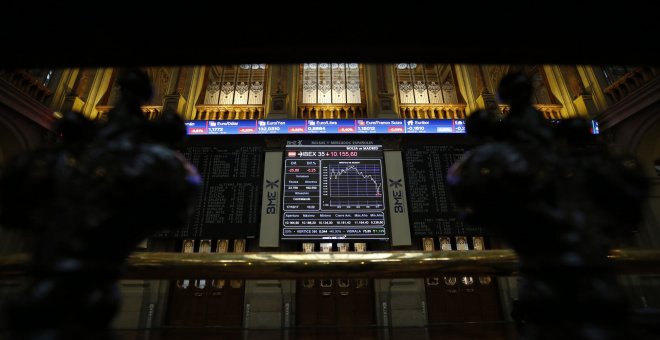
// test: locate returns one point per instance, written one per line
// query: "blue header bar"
(323, 126)
(330, 126)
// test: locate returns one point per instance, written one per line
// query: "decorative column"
(592, 78)
(196, 86)
(173, 100)
(277, 104)
(100, 85)
(466, 86)
(559, 89)
(65, 82)
(379, 85)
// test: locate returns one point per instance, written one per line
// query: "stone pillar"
(593, 80)
(72, 102)
(100, 85)
(282, 99)
(584, 105)
(379, 85)
(559, 88)
(470, 89)
(63, 88)
(191, 97)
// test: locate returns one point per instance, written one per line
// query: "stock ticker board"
(431, 209)
(229, 204)
(333, 190)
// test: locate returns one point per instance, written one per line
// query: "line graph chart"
(354, 184)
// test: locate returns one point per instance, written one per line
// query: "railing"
(27, 83)
(151, 111)
(331, 111)
(146, 265)
(550, 111)
(630, 82)
(230, 112)
(432, 111)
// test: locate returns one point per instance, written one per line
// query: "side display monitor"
(333, 190)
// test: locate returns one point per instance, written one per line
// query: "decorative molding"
(25, 105)
(638, 100)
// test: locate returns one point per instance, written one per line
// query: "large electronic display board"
(432, 210)
(333, 190)
(229, 201)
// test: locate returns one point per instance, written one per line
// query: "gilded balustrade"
(331, 111)
(228, 112)
(150, 111)
(550, 111)
(432, 111)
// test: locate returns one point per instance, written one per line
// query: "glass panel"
(309, 83)
(228, 82)
(235, 85)
(212, 93)
(419, 85)
(405, 80)
(353, 83)
(338, 83)
(242, 85)
(325, 84)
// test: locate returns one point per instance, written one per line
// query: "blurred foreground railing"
(146, 265)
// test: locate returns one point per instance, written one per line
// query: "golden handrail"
(271, 265)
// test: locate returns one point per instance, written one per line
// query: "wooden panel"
(335, 302)
(461, 302)
(306, 302)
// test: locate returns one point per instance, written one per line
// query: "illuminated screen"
(333, 190)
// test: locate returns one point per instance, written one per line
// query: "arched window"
(331, 83)
(426, 84)
(235, 85)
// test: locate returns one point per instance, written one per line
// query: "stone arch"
(12, 140)
(645, 144)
